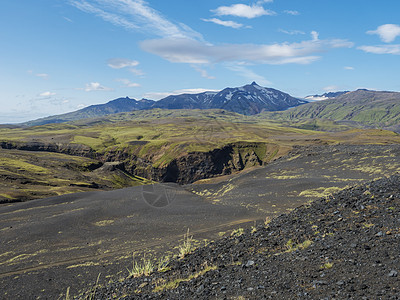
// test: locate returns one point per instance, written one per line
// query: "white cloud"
(202, 72)
(161, 95)
(47, 94)
(128, 83)
(107, 16)
(249, 74)
(243, 10)
(137, 72)
(120, 63)
(349, 68)
(314, 35)
(381, 49)
(224, 23)
(331, 88)
(291, 32)
(136, 15)
(315, 98)
(387, 32)
(194, 52)
(80, 106)
(292, 12)
(181, 44)
(95, 86)
(42, 75)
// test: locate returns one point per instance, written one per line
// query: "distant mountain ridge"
(380, 109)
(248, 100)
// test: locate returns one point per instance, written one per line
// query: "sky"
(58, 56)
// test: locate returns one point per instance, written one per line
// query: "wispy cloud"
(292, 12)
(47, 94)
(128, 83)
(243, 10)
(107, 16)
(119, 63)
(136, 15)
(202, 72)
(381, 49)
(225, 23)
(160, 95)
(137, 72)
(348, 68)
(42, 75)
(260, 2)
(387, 33)
(248, 74)
(291, 32)
(95, 86)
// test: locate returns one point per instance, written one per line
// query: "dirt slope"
(345, 246)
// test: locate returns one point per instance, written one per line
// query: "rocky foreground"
(346, 246)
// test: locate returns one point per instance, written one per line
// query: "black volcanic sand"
(51, 244)
(306, 174)
(346, 246)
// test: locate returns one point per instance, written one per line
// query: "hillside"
(179, 146)
(345, 246)
(368, 108)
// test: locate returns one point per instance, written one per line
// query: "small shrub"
(146, 267)
(187, 245)
(291, 246)
(327, 265)
(254, 228)
(92, 292)
(67, 297)
(175, 283)
(163, 264)
(237, 232)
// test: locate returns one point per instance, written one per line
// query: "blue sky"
(58, 56)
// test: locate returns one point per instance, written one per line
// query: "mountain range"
(365, 108)
(248, 100)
